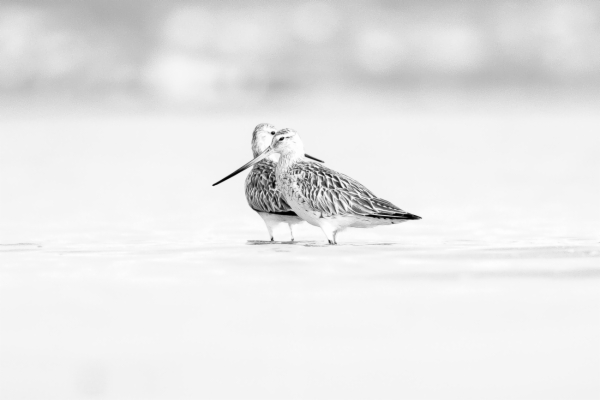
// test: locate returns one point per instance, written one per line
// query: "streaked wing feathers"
(261, 192)
(332, 193)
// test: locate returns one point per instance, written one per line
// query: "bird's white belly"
(297, 202)
(337, 222)
(278, 219)
(301, 208)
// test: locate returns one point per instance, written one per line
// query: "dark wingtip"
(404, 216)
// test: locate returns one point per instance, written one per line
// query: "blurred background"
(124, 274)
(126, 111)
(134, 54)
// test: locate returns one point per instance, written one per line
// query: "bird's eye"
(272, 132)
(281, 138)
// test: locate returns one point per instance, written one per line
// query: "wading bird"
(321, 196)
(261, 190)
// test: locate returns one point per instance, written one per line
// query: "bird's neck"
(287, 160)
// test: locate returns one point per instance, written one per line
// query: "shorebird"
(321, 196)
(261, 190)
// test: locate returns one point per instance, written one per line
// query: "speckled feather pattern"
(261, 190)
(332, 194)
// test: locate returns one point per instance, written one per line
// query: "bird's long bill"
(260, 157)
(313, 158)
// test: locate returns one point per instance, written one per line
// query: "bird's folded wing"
(333, 193)
(261, 192)
(384, 209)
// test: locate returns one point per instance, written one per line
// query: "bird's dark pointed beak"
(313, 158)
(268, 151)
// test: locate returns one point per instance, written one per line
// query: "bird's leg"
(335, 237)
(291, 232)
(329, 232)
(270, 229)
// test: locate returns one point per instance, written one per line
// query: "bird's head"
(262, 137)
(287, 141)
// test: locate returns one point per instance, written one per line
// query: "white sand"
(297, 321)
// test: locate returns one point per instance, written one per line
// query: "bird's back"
(332, 193)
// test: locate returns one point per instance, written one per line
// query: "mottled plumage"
(317, 194)
(261, 190)
(324, 197)
(331, 193)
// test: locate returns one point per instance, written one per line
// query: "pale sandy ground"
(389, 320)
(124, 275)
